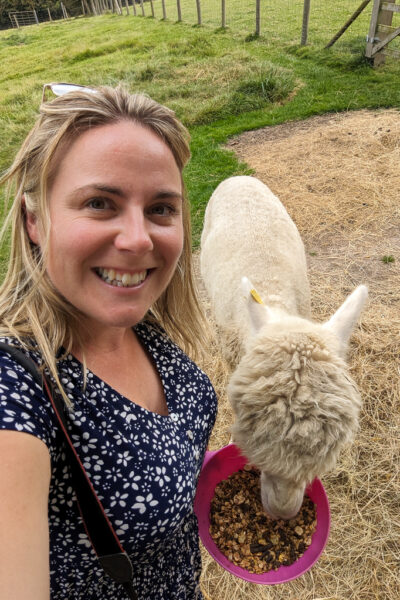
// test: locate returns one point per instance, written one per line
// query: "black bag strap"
(110, 553)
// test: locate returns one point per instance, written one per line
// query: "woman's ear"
(31, 224)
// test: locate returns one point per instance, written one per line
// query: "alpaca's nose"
(281, 499)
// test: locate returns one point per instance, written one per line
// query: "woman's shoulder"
(15, 349)
(23, 404)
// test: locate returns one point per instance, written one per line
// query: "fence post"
(134, 7)
(198, 5)
(385, 18)
(142, 5)
(379, 16)
(36, 19)
(178, 8)
(306, 18)
(13, 20)
(258, 17)
(223, 14)
(49, 13)
(152, 8)
(164, 10)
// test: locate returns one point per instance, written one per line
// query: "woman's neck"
(115, 341)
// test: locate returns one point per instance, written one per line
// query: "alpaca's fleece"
(295, 404)
(247, 231)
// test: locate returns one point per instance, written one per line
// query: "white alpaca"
(294, 401)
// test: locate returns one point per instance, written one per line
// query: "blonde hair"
(31, 309)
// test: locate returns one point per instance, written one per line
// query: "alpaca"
(294, 402)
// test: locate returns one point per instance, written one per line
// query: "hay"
(339, 178)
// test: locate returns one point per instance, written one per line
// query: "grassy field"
(218, 83)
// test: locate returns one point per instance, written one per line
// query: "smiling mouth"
(121, 279)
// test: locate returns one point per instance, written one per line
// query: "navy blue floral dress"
(143, 466)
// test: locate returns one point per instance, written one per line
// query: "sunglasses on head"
(59, 89)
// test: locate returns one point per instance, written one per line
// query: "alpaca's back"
(247, 232)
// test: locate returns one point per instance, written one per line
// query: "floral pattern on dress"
(143, 466)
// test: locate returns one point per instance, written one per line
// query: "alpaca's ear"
(258, 312)
(344, 319)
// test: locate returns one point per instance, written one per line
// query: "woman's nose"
(134, 234)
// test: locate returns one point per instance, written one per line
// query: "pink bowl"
(218, 466)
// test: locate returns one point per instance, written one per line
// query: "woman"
(99, 282)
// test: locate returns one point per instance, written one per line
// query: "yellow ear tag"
(256, 296)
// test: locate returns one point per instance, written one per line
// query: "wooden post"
(134, 7)
(178, 8)
(36, 19)
(348, 23)
(164, 10)
(381, 19)
(152, 8)
(384, 18)
(372, 28)
(14, 20)
(198, 6)
(127, 7)
(258, 17)
(223, 14)
(49, 13)
(306, 18)
(142, 5)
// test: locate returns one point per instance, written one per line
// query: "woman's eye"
(98, 203)
(164, 210)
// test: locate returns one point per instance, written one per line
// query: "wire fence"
(280, 21)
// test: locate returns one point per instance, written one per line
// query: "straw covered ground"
(339, 178)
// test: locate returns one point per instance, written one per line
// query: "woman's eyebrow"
(117, 191)
(168, 194)
(94, 188)
(105, 188)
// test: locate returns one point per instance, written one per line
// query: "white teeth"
(121, 279)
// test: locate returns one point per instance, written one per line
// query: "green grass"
(388, 259)
(218, 83)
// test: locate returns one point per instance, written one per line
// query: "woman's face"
(116, 223)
